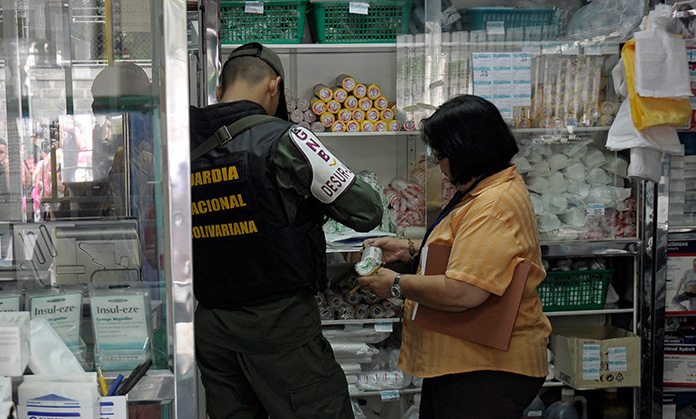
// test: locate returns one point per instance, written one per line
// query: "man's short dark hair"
(472, 134)
(252, 70)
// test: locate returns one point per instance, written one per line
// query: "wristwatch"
(396, 288)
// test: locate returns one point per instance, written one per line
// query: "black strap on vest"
(228, 132)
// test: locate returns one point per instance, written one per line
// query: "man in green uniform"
(259, 198)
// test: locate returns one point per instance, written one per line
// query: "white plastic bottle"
(566, 407)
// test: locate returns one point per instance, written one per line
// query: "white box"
(113, 407)
(53, 406)
(14, 335)
(679, 365)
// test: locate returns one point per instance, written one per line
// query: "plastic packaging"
(370, 262)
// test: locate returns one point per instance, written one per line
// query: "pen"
(115, 385)
(102, 381)
(133, 378)
(354, 289)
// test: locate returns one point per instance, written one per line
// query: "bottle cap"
(568, 392)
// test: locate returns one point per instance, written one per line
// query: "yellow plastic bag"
(652, 111)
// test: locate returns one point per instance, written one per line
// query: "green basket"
(282, 22)
(574, 290)
(476, 18)
(332, 22)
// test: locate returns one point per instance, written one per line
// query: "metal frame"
(172, 57)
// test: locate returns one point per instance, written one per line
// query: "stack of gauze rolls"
(339, 303)
(298, 110)
(348, 106)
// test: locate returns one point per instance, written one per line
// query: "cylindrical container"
(566, 407)
(354, 299)
(333, 299)
(373, 91)
(381, 103)
(410, 125)
(372, 115)
(318, 106)
(289, 95)
(290, 105)
(333, 106)
(317, 126)
(543, 122)
(394, 125)
(303, 103)
(369, 297)
(586, 120)
(359, 115)
(593, 110)
(365, 103)
(351, 102)
(608, 108)
(352, 126)
(309, 116)
(367, 126)
(362, 311)
(377, 311)
(381, 126)
(338, 126)
(323, 92)
(387, 114)
(321, 299)
(606, 120)
(360, 90)
(305, 124)
(524, 123)
(296, 116)
(327, 119)
(340, 94)
(326, 313)
(346, 82)
(345, 115)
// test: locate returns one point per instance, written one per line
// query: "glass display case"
(94, 186)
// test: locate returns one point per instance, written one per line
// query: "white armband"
(330, 177)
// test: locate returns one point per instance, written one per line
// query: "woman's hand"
(379, 283)
(393, 249)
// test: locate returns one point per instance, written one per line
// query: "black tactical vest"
(245, 251)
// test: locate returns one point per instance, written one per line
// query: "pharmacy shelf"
(386, 394)
(588, 312)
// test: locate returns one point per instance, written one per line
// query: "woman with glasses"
(491, 228)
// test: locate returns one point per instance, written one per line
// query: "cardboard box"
(14, 335)
(596, 357)
(679, 364)
(113, 407)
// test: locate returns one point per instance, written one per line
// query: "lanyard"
(458, 196)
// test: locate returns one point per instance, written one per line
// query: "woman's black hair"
(472, 134)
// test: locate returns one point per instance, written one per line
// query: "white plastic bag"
(624, 135)
(661, 68)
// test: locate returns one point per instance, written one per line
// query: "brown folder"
(489, 324)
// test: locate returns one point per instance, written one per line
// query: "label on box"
(9, 303)
(591, 362)
(358, 8)
(681, 277)
(254, 7)
(618, 361)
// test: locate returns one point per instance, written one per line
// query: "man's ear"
(218, 92)
(274, 85)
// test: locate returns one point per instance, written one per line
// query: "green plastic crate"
(282, 22)
(574, 290)
(476, 18)
(332, 22)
